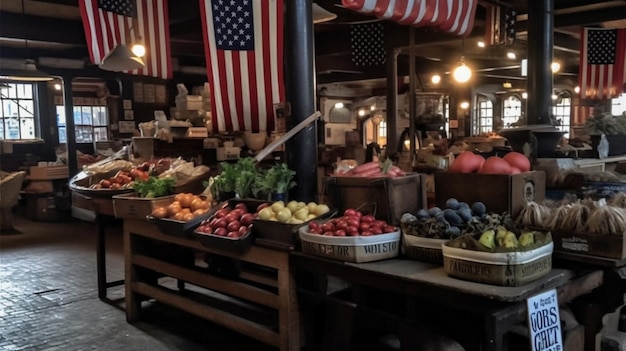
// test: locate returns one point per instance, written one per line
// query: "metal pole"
(70, 130)
(392, 100)
(412, 107)
(301, 150)
(540, 51)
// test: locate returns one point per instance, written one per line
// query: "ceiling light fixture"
(435, 79)
(138, 49)
(339, 105)
(481, 44)
(28, 72)
(361, 112)
(577, 89)
(524, 95)
(121, 59)
(511, 55)
(507, 85)
(464, 105)
(462, 73)
(555, 66)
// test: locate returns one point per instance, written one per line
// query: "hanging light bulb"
(139, 50)
(577, 89)
(481, 44)
(435, 79)
(524, 95)
(339, 105)
(464, 105)
(511, 55)
(462, 73)
(361, 112)
(555, 66)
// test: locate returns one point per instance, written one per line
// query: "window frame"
(16, 95)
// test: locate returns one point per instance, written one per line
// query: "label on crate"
(544, 322)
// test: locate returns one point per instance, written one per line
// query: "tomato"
(241, 206)
(246, 219)
(352, 231)
(364, 226)
(205, 229)
(221, 212)
(233, 226)
(314, 225)
(366, 233)
(379, 223)
(105, 183)
(328, 233)
(328, 226)
(315, 231)
(340, 232)
(375, 230)
(233, 235)
(389, 229)
(353, 222)
(220, 231)
(262, 206)
(220, 223)
(242, 230)
(368, 218)
(342, 224)
(349, 212)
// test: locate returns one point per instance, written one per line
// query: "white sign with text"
(544, 322)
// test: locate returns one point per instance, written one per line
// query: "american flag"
(108, 23)
(602, 74)
(243, 41)
(493, 25)
(452, 16)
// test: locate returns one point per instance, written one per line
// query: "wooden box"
(49, 172)
(499, 192)
(393, 196)
(129, 206)
(607, 245)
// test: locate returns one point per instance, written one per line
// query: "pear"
(487, 238)
(527, 239)
(500, 235)
(510, 241)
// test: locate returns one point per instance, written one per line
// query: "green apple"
(265, 214)
(284, 215)
(301, 214)
(278, 206)
(311, 206)
(321, 209)
(292, 206)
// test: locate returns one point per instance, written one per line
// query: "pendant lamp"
(121, 59)
(320, 15)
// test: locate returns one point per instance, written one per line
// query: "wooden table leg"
(288, 316)
(101, 258)
(133, 303)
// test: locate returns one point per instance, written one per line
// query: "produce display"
(352, 223)
(456, 219)
(249, 181)
(469, 162)
(503, 239)
(185, 207)
(373, 169)
(602, 217)
(293, 212)
(229, 222)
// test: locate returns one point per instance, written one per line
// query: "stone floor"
(48, 298)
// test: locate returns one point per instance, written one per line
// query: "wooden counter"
(269, 283)
(433, 299)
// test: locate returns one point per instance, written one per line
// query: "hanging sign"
(544, 322)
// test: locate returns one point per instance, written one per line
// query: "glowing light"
(139, 50)
(481, 44)
(464, 105)
(339, 105)
(57, 86)
(524, 95)
(373, 108)
(462, 73)
(511, 55)
(577, 89)
(435, 79)
(507, 85)
(361, 113)
(555, 67)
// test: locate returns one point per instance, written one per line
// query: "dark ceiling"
(54, 31)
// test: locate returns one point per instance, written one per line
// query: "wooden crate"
(49, 172)
(393, 196)
(499, 192)
(607, 245)
(129, 206)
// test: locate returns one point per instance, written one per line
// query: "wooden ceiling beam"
(18, 26)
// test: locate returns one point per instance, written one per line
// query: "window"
(382, 129)
(484, 119)
(618, 105)
(562, 113)
(90, 123)
(512, 111)
(18, 112)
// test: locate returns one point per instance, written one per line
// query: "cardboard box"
(129, 206)
(49, 172)
(392, 197)
(351, 248)
(499, 192)
(498, 268)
